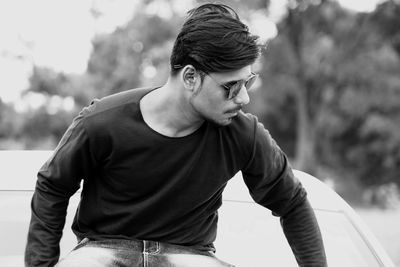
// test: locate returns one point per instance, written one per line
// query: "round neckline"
(194, 133)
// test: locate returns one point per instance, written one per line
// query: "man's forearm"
(42, 248)
(58, 179)
(303, 234)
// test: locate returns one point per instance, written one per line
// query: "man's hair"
(213, 39)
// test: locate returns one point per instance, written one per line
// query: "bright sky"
(57, 33)
(54, 33)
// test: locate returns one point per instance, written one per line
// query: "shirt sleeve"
(269, 176)
(272, 184)
(57, 180)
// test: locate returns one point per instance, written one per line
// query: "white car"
(248, 235)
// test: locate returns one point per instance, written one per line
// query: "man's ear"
(189, 77)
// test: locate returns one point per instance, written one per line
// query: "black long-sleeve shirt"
(139, 184)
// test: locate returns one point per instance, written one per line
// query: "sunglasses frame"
(234, 89)
(231, 93)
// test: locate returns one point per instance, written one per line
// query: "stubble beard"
(207, 118)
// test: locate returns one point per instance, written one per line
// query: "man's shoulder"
(241, 129)
(239, 137)
(244, 122)
(248, 128)
(115, 101)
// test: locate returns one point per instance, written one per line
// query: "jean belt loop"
(145, 246)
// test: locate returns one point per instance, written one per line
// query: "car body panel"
(248, 234)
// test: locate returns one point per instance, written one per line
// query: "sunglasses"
(233, 88)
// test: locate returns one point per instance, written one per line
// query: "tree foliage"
(329, 90)
(133, 54)
(331, 75)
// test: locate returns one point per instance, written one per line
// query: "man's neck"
(167, 111)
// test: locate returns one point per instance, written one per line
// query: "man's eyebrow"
(235, 81)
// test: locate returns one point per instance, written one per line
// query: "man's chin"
(226, 122)
(220, 123)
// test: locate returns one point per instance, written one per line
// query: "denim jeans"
(132, 253)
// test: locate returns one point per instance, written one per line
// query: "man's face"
(211, 100)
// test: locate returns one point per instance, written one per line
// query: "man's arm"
(58, 179)
(303, 234)
(272, 184)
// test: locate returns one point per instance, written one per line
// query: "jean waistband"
(148, 246)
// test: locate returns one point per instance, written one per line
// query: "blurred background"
(329, 87)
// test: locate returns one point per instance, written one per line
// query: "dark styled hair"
(213, 39)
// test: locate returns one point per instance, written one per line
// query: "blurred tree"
(297, 69)
(42, 127)
(329, 83)
(42, 130)
(9, 123)
(131, 56)
(48, 82)
(386, 18)
(329, 78)
(373, 151)
(127, 58)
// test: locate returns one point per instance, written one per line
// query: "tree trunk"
(305, 144)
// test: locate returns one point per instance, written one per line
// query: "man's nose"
(242, 98)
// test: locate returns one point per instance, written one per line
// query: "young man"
(154, 162)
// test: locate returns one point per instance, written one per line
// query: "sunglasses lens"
(235, 89)
(249, 83)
